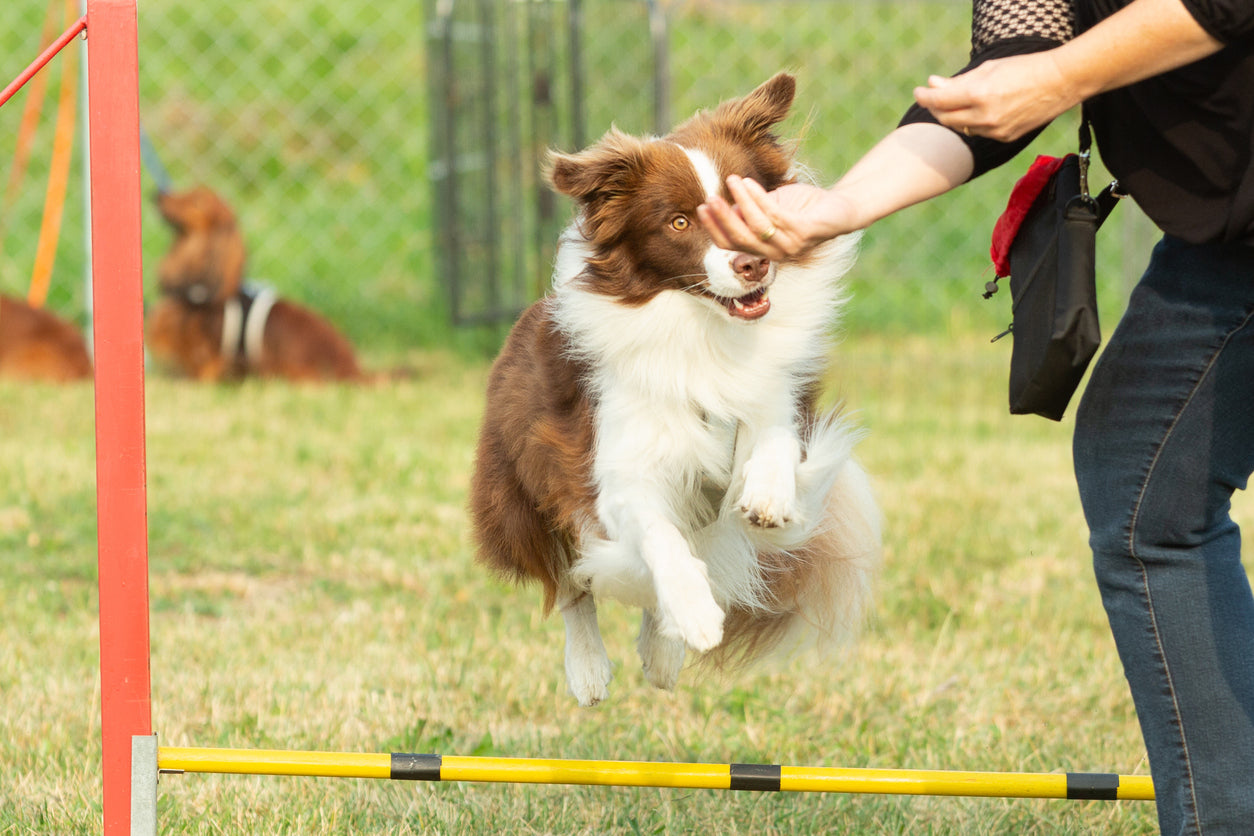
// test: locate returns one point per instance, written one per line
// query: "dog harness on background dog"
(244, 323)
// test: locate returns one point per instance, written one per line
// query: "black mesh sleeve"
(1000, 28)
(995, 21)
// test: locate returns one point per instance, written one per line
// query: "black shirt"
(1182, 143)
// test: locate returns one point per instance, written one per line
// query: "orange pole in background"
(122, 514)
(58, 176)
(30, 117)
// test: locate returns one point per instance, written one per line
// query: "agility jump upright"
(117, 299)
(121, 490)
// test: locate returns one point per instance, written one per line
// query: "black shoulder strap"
(1108, 197)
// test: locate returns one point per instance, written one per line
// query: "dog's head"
(638, 201)
(206, 260)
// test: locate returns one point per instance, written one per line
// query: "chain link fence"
(327, 125)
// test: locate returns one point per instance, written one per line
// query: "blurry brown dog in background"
(36, 345)
(209, 326)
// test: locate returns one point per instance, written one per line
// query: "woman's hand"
(1001, 99)
(780, 224)
(913, 163)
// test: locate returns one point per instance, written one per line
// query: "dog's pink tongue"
(754, 306)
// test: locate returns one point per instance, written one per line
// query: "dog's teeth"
(755, 298)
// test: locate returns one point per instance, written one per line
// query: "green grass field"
(312, 588)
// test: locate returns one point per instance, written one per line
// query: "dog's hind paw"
(661, 657)
(589, 683)
(588, 669)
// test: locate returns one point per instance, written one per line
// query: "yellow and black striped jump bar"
(735, 776)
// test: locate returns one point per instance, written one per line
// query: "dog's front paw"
(701, 628)
(769, 499)
(689, 613)
(769, 496)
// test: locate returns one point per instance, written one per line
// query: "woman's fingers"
(745, 226)
(1002, 99)
(719, 220)
(750, 199)
(755, 211)
(950, 103)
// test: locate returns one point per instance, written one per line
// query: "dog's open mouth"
(750, 306)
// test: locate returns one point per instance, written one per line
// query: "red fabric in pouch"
(1022, 196)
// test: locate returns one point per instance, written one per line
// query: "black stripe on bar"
(755, 776)
(1092, 786)
(406, 767)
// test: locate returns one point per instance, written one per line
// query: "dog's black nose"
(751, 268)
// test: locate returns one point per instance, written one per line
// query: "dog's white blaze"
(707, 171)
(721, 279)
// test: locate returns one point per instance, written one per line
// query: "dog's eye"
(680, 223)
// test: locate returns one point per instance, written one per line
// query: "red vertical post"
(121, 510)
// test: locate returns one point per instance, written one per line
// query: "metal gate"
(508, 83)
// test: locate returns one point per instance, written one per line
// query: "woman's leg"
(1164, 435)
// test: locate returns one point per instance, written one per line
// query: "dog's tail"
(809, 586)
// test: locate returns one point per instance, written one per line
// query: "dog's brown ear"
(196, 208)
(171, 207)
(602, 179)
(751, 117)
(612, 167)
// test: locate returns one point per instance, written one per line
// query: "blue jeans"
(1164, 434)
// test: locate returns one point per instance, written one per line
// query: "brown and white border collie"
(650, 432)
